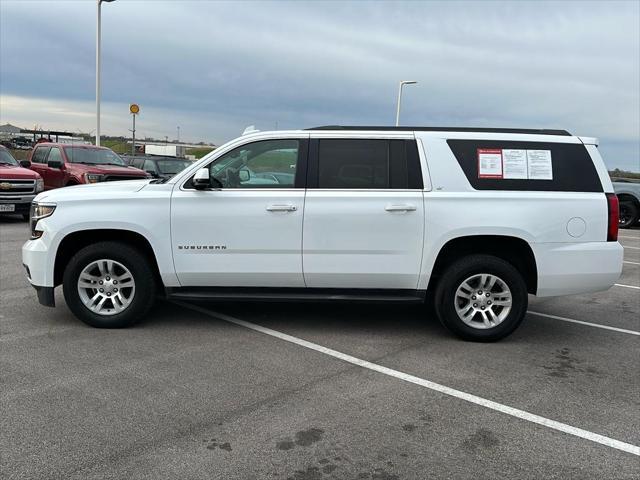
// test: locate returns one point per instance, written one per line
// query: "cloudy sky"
(214, 67)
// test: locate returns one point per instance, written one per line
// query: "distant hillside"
(617, 173)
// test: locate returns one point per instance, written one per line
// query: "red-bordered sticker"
(489, 163)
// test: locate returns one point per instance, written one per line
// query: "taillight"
(614, 217)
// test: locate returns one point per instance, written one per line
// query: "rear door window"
(572, 169)
(367, 164)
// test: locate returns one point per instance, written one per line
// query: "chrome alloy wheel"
(483, 301)
(106, 287)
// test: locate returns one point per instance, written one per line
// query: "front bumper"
(22, 202)
(39, 270)
(37, 260)
(570, 268)
(46, 296)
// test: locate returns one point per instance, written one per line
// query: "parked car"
(629, 198)
(62, 165)
(158, 167)
(22, 143)
(18, 184)
(472, 220)
(16, 143)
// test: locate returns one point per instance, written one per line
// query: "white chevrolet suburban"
(472, 220)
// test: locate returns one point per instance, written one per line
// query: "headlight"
(92, 177)
(38, 212)
(39, 185)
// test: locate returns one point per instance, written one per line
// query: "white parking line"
(629, 237)
(631, 263)
(589, 324)
(632, 248)
(483, 402)
(626, 286)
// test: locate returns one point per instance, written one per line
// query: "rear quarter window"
(573, 168)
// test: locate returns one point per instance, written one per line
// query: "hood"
(93, 191)
(107, 169)
(15, 172)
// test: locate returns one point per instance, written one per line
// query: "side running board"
(294, 295)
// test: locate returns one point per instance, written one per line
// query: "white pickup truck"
(472, 220)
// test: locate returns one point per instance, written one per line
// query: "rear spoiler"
(589, 140)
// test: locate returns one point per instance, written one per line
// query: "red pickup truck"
(18, 184)
(61, 165)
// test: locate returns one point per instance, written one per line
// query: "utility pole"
(178, 133)
(98, 35)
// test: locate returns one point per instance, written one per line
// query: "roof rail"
(532, 131)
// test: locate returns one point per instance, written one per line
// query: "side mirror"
(201, 179)
(152, 173)
(54, 164)
(25, 163)
(244, 175)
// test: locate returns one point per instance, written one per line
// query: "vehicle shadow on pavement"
(312, 317)
(384, 321)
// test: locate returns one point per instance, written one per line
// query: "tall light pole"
(402, 84)
(178, 133)
(98, 34)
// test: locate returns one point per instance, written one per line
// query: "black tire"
(136, 262)
(628, 214)
(457, 273)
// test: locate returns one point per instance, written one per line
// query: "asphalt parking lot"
(318, 391)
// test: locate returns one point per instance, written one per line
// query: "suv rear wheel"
(481, 298)
(109, 285)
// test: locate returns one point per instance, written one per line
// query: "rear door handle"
(282, 208)
(400, 208)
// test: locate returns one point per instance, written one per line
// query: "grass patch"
(199, 152)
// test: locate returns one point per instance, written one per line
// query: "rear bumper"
(570, 268)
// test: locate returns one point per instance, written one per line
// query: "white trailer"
(165, 150)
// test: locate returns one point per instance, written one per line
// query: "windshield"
(171, 167)
(93, 156)
(6, 158)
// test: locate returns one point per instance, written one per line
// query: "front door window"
(265, 164)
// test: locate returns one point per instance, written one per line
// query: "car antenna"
(250, 129)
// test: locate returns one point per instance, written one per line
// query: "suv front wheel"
(481, 298)
(109, 285)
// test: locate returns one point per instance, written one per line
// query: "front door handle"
(282, 208)
(400, 208)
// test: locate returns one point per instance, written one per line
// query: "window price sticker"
(515, 164)
(539, 165)
(489, 163)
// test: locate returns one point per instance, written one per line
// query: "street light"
(98, 28)
(402, 84)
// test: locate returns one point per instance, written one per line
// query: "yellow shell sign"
(134, 108)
